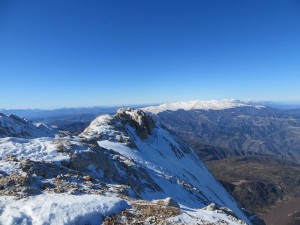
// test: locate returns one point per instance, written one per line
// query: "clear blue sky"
(62, 53)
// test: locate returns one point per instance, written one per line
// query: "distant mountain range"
(74, 120)
(200, 105)
(34, 114)
(219, 129)
(252, 148)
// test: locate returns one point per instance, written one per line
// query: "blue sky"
(63, 53)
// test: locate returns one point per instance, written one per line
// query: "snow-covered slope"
(171, 164)
(14, 126)
(200, 105)
(123, 163)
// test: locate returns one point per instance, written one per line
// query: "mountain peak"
(113, 127)
(138, 119)
(165, 162)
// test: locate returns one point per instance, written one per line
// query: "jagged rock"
(98, 163)
(225, 211)
(12, 158)
(137, 119)
(88, 178)
(17, 185)
(145, 212)
(169, 202)
(211, 207)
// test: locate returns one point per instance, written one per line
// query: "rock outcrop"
(168, 202)
(137, 119)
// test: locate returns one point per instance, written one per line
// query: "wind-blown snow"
(35, 149)
(59, 209)
(197, 104)
(38, 149)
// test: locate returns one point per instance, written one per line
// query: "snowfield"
(35, 149)
(38, 149)
(59, 209)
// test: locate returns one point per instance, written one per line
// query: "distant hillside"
(14, 126)
(45, 114)
(237, 130)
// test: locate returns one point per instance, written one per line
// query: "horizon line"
(276, 102)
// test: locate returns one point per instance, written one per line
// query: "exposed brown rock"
(88, 178)
(138, 119)
(169, 202)
(144, 212)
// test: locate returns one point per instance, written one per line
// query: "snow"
(8, 168)
(35, 149)
(38, 149)
(199, 216)
(197, 104)
(59, 209)
(101, 125)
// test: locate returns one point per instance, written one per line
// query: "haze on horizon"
(68, 54)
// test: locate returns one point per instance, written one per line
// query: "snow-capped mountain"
(14, 126)
(201, 105)
(123, 163)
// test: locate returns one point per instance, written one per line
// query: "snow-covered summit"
(200, 105)
(104, 124)
(14, 126)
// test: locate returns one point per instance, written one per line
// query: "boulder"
(169, 202)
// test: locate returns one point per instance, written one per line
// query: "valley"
(258, 183)
(287, 212)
